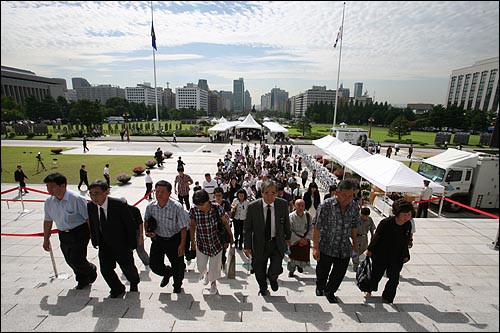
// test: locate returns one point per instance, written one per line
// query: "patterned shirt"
(183, 184)
(206, 229)
(335, 227)
(171, 219)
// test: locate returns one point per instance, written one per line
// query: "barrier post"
(53, 263)
(22, 201)
(441, 202)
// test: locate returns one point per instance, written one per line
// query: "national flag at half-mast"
(153, 36)
(339, 37)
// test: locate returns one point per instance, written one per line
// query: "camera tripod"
(39, 163)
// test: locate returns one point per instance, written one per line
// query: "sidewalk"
(451, 283)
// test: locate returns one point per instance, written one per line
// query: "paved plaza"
(450, 284)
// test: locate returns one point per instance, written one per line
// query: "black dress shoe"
(133, 287)
(117, 293)
(332, 298)
(177, 290)
(274, 285)
(291, 275)
(300, 269)
(165, 280)
(263, 292)
(81, 286)
(319, 292)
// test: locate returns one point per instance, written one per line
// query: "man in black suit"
(267, 235)
(19, 176)
(113, 231)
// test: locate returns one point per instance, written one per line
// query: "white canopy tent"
(326, 141)
(222, 120)
(454, 157)
(249, 122)
(390, 175)
(345, 152)
(221, 127)
(274, 127)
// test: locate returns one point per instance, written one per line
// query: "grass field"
(68, 165)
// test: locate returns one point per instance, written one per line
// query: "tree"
(87, 113)
(304, 125)
(400, 127)
(11, 110)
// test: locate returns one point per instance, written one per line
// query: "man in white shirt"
(209, 185)
(425, 195)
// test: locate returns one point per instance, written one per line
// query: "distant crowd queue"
(258, 201)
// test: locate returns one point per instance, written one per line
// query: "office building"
(300, 102)
(20, 84)
(475, 87)
(358, 89)
(191, 96)
(238, 95)
(144, 93)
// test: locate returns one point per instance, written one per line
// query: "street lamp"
(126, 115)
(370, 120)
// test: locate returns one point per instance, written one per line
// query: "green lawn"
(69, 165)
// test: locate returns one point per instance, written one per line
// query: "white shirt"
(106, 171)
(148, 179)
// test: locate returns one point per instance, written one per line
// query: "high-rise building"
(100, 93)
(20, 84)
(238, 95)
(203, 84)
(475, 87)
(80, 82)
(358, 89)
(169, 98)
(265, 102)
(191, 96)
(300, 102)
(279, 100)
(248, 101)
(226, 100)
(144, 93)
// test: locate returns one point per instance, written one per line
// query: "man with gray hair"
(267, 235)
(336, 221)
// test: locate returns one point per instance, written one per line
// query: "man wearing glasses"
(113, 231)
(68, 210)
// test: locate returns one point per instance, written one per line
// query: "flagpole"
(338, 72)
(154, 66)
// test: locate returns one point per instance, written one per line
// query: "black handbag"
(151, 224)
(364, 274)
(222, 233)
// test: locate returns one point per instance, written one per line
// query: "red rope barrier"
(471, 208)
(35, 190)
(39, 234)
(7, 191)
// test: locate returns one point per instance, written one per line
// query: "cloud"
(384, 41)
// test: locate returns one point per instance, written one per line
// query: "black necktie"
(102, 217)
(268, 223)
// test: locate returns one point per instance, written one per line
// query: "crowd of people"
(255, 199)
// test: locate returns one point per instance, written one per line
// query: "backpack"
(363, 275)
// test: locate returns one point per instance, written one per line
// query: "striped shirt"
(68, 213)
(206, 229)
(335, 227)
(171, 219)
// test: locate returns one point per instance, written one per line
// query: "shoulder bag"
(302, 253)
(222, 233)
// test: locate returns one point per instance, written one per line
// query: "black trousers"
(149, 188)
(423, 207)
(330, 272)
(161, 247)
(74, 248)
(185, 199)
(393, 269)
(238, 233)
(108, 179)
(109, 257)
(262, 272)
(86, 181)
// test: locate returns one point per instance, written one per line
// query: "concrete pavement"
(450, 284)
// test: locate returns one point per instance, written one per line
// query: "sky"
(402, 52)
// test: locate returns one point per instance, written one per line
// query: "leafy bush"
(30, 135)
(168, 154)
(123, 178)
(56, 150)
(12, 135)
(150, 163)
(49, 135)
(138, 170)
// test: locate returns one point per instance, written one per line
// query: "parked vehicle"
(468, 178)
(355, 136)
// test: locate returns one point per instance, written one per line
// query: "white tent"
(274, 127)
(221, 127)
(326, 141)
(345, 152)
(390, 175)
(454, 157)
(222, 120)
(249, 122)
